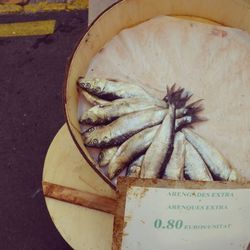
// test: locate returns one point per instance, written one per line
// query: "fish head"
(90, 140)
(90, 117)
(89, 131)
(94, 85)
(88, 136)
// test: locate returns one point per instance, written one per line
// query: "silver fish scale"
(215, 161)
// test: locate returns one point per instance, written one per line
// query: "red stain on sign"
(218, 32)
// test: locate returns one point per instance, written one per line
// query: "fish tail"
(172, 88)
(194, 108)
(173, 93)
(183, 99)
(194, 119)
(178, 97)
(188, 121)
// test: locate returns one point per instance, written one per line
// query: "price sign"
(182, 215)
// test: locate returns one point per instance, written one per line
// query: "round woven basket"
(127, 13)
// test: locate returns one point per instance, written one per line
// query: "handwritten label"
(190, 219)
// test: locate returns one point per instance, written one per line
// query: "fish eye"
(94, 141)
(98, 89)
(83, 84)
(91, 129)
(105, 139)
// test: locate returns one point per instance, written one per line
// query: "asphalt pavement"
(32, 71)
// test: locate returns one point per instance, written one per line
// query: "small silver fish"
(102, 114)
(162, 144)
(105, 113)
(106, 155)
(134, 146)
(124, 127)
(130, 149)
(134, 168)
(195, 168)
(93, 99)
(111, 89)
(215, 161)
(175, 166)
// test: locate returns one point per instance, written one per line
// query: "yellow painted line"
(78, 4)
(10, 8)
(44, 6)
(27, 28)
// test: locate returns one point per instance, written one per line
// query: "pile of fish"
(147, 136)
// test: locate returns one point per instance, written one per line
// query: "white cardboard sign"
(186, 218)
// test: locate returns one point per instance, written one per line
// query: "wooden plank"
(85, 199)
